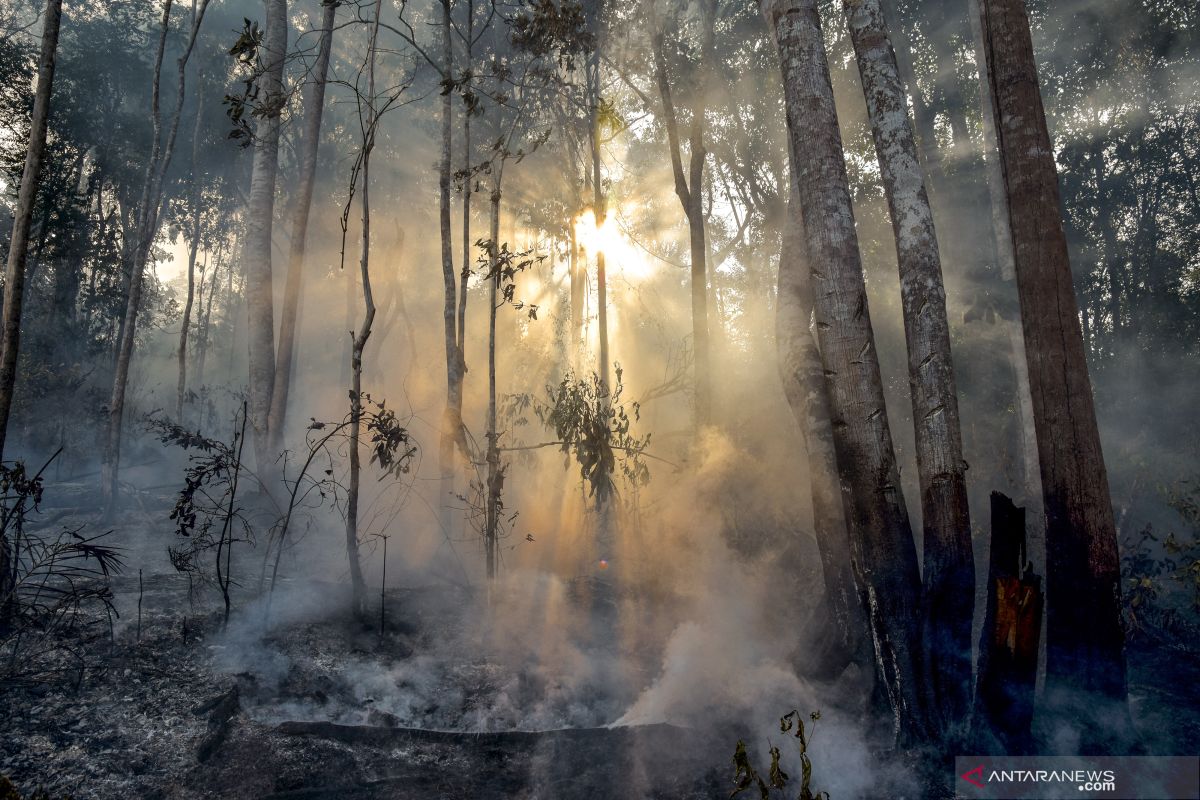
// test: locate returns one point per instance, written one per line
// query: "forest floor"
(178, 707)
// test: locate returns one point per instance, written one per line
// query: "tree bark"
(193, 252)
(689, 189)
(314, 109)
(1085, 664)
(862, 439)
(494, 474)
(256, 252)
(14, 273)
(452, 415)
(949, 566)
(364, 331)
(804, 386)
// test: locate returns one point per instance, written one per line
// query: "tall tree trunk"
(600, 213)
(689, 189)
(256, 252)
(949, 566)
(495, 476)
(1085, 663)
(862, 439)
(805, 388)
(206, 317)
(1031, 488)
(452, 415)
(465, 275)
(193, 251)
(14, 273)
(364, 331)
(314, 109)
(578, 279)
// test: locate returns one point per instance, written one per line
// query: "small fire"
(603, 564)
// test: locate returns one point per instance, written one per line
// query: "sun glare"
(622, 255)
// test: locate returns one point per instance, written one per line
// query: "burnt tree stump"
(1008, 646)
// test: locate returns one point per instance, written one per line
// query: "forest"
(597, 398)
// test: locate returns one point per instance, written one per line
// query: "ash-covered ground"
(447, 694)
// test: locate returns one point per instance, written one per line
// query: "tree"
(14, 272)
(949, 567)
(689, 189)
(870, 479)
(256, 247)
(1085, 664)
(314, 109)
(369, 116)
(803, 378)
(145, 232)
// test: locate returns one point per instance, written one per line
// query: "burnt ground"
(177, 713)
(332, 709)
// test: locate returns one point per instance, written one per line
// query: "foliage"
(1161, 575)
(593, 425)
(54, 591)
(206, 513)
(547, 27)
(747, 778)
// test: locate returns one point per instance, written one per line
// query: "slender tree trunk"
(193, 251)
(206, 318)
(256, 253)
(465, 275)
(689, 189)
(578, 293)
(146, 230)
(364, 332)
(14, 273)
(452, 415)
(314, 108)
(600, 212)
(1085, 663)
(494, 474)
(870, 479)
(804, 386)
(949, 566)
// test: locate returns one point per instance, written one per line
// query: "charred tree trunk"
(1085, 663)
(949, 566)
(1008, 645)
(256, 252)
(314, 109)
(14, 273)
(862, 439)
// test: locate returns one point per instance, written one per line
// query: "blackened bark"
(1008, 644)
(1085, 664)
